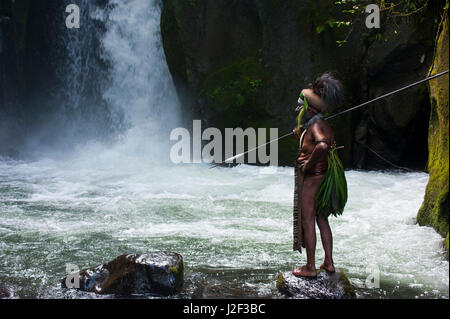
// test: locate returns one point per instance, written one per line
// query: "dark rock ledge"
(5, 292)
(157, 273)
(325, 286)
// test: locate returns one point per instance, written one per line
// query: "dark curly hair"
(329, 89)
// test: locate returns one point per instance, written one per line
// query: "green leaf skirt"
(332, 194)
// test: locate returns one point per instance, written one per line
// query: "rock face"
(27, 65)
(158, 273)
(403, 57)
(435, 209)
(243, 63)
(324, 286)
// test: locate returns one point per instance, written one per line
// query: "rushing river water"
(233, 226)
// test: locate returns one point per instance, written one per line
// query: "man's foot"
(327, 267)
(304, 271)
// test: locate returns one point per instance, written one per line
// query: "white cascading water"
(78, 65)
(137, 88)
(233, 226)
(141, 85)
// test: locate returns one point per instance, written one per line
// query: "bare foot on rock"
(328, 267)
(304, 271)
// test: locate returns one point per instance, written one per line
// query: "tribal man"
(316, 142)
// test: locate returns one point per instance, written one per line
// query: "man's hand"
(302, 160)
(296, 132)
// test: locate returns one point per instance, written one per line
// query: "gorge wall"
(435, 210)
(243, 63)
(49, 98)
(25, 56)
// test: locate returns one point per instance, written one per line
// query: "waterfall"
(78, 66)
(141, 86)
(115, 85)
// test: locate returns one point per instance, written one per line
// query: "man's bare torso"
(319, 131)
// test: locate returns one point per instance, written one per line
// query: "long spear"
(231, 159)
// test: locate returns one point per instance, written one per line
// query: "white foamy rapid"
(233, 226)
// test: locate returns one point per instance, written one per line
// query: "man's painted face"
(303, 115)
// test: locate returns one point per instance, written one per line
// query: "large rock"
(158, 273)
(435, 209)
(5, 293)
(324, 286)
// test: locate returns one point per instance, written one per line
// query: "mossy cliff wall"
(243, 63)
(435, 209)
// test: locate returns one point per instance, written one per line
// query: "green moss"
(349, 288)
(281, 284)
(174, 8)
(193, 2)
(178, 274)
(435, 208)
(173, 48)
(235, 94)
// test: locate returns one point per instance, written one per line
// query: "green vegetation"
(353, 14)
(234, 93)
(435, 209)
(193, 2)
(173, 48)
(178, 274)
(281, 283)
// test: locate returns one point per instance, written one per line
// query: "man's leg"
(327, 242)
(310, 188)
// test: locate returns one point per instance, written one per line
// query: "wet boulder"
(325, 286)
(5, 293)
(156, 273)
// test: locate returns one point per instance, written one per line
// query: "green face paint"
(302, 111)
